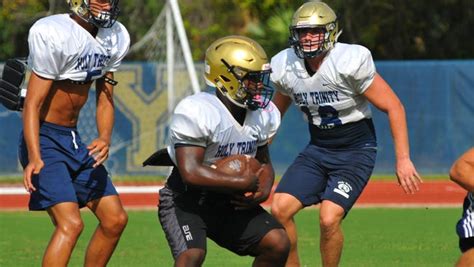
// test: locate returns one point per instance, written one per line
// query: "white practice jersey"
(333, 95)
(203, 120)
(61, 49)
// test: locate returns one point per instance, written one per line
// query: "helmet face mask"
(254, 90)
(315, 17)
(94, 14)
(238, 67)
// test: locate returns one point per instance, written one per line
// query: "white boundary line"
(153, 189)
(408, 205)
(17, 190)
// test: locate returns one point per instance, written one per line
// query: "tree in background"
(405, 29)
(16, 17)
(391, 29)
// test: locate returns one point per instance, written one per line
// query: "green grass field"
(373, 237)
(16, 179)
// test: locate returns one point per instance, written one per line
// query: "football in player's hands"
(239, 165)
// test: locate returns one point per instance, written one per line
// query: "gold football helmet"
(238, 67)
(103, 19)
(314, 15)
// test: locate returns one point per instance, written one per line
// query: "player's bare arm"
(267, 175)
(382, 97)
(190, 161)
(99, 147)
(462, 171)
(282, 102)
(31, 113)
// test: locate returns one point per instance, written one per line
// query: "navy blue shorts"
(67, 175)
(338, 175)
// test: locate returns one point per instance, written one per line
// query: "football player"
(462, 172)
(332, 84)
(68, 52)
(198, 201)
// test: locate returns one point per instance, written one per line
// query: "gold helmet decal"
(314, 15)
(232, 64)
(99, 18)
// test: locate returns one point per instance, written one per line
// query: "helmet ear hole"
(225, 78)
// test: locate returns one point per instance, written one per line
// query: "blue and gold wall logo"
(142, 113)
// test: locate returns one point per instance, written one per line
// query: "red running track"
(376, 194)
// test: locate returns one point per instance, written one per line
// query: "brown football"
(237, 164)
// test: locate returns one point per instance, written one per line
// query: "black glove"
(159, 158)
(11, 93)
